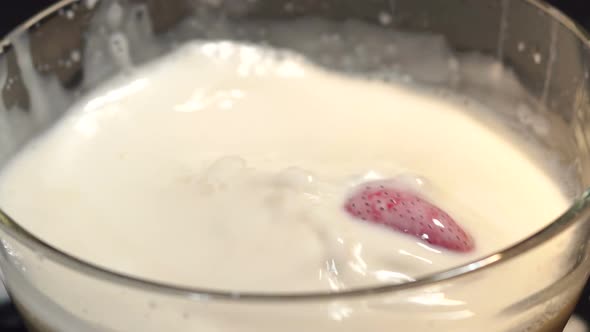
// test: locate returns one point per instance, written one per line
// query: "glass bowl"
(45, 66)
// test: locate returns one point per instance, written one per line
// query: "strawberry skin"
(402, 210)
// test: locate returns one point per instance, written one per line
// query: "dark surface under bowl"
(12, 12)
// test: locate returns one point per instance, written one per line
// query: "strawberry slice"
(382, 202)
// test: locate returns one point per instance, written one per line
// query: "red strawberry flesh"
(402, 210)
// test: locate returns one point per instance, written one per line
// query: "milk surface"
(225, 166)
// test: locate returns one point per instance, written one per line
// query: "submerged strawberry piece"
(404, 211)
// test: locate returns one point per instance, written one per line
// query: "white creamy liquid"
(226, 166)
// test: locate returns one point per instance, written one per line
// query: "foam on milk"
(225, 166)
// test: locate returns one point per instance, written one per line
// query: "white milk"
(225, 166)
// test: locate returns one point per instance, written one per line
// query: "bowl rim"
(574, 214)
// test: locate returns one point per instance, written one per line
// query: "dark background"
(12, 12)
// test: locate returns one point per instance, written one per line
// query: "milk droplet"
(75, 56)
(385, 18)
